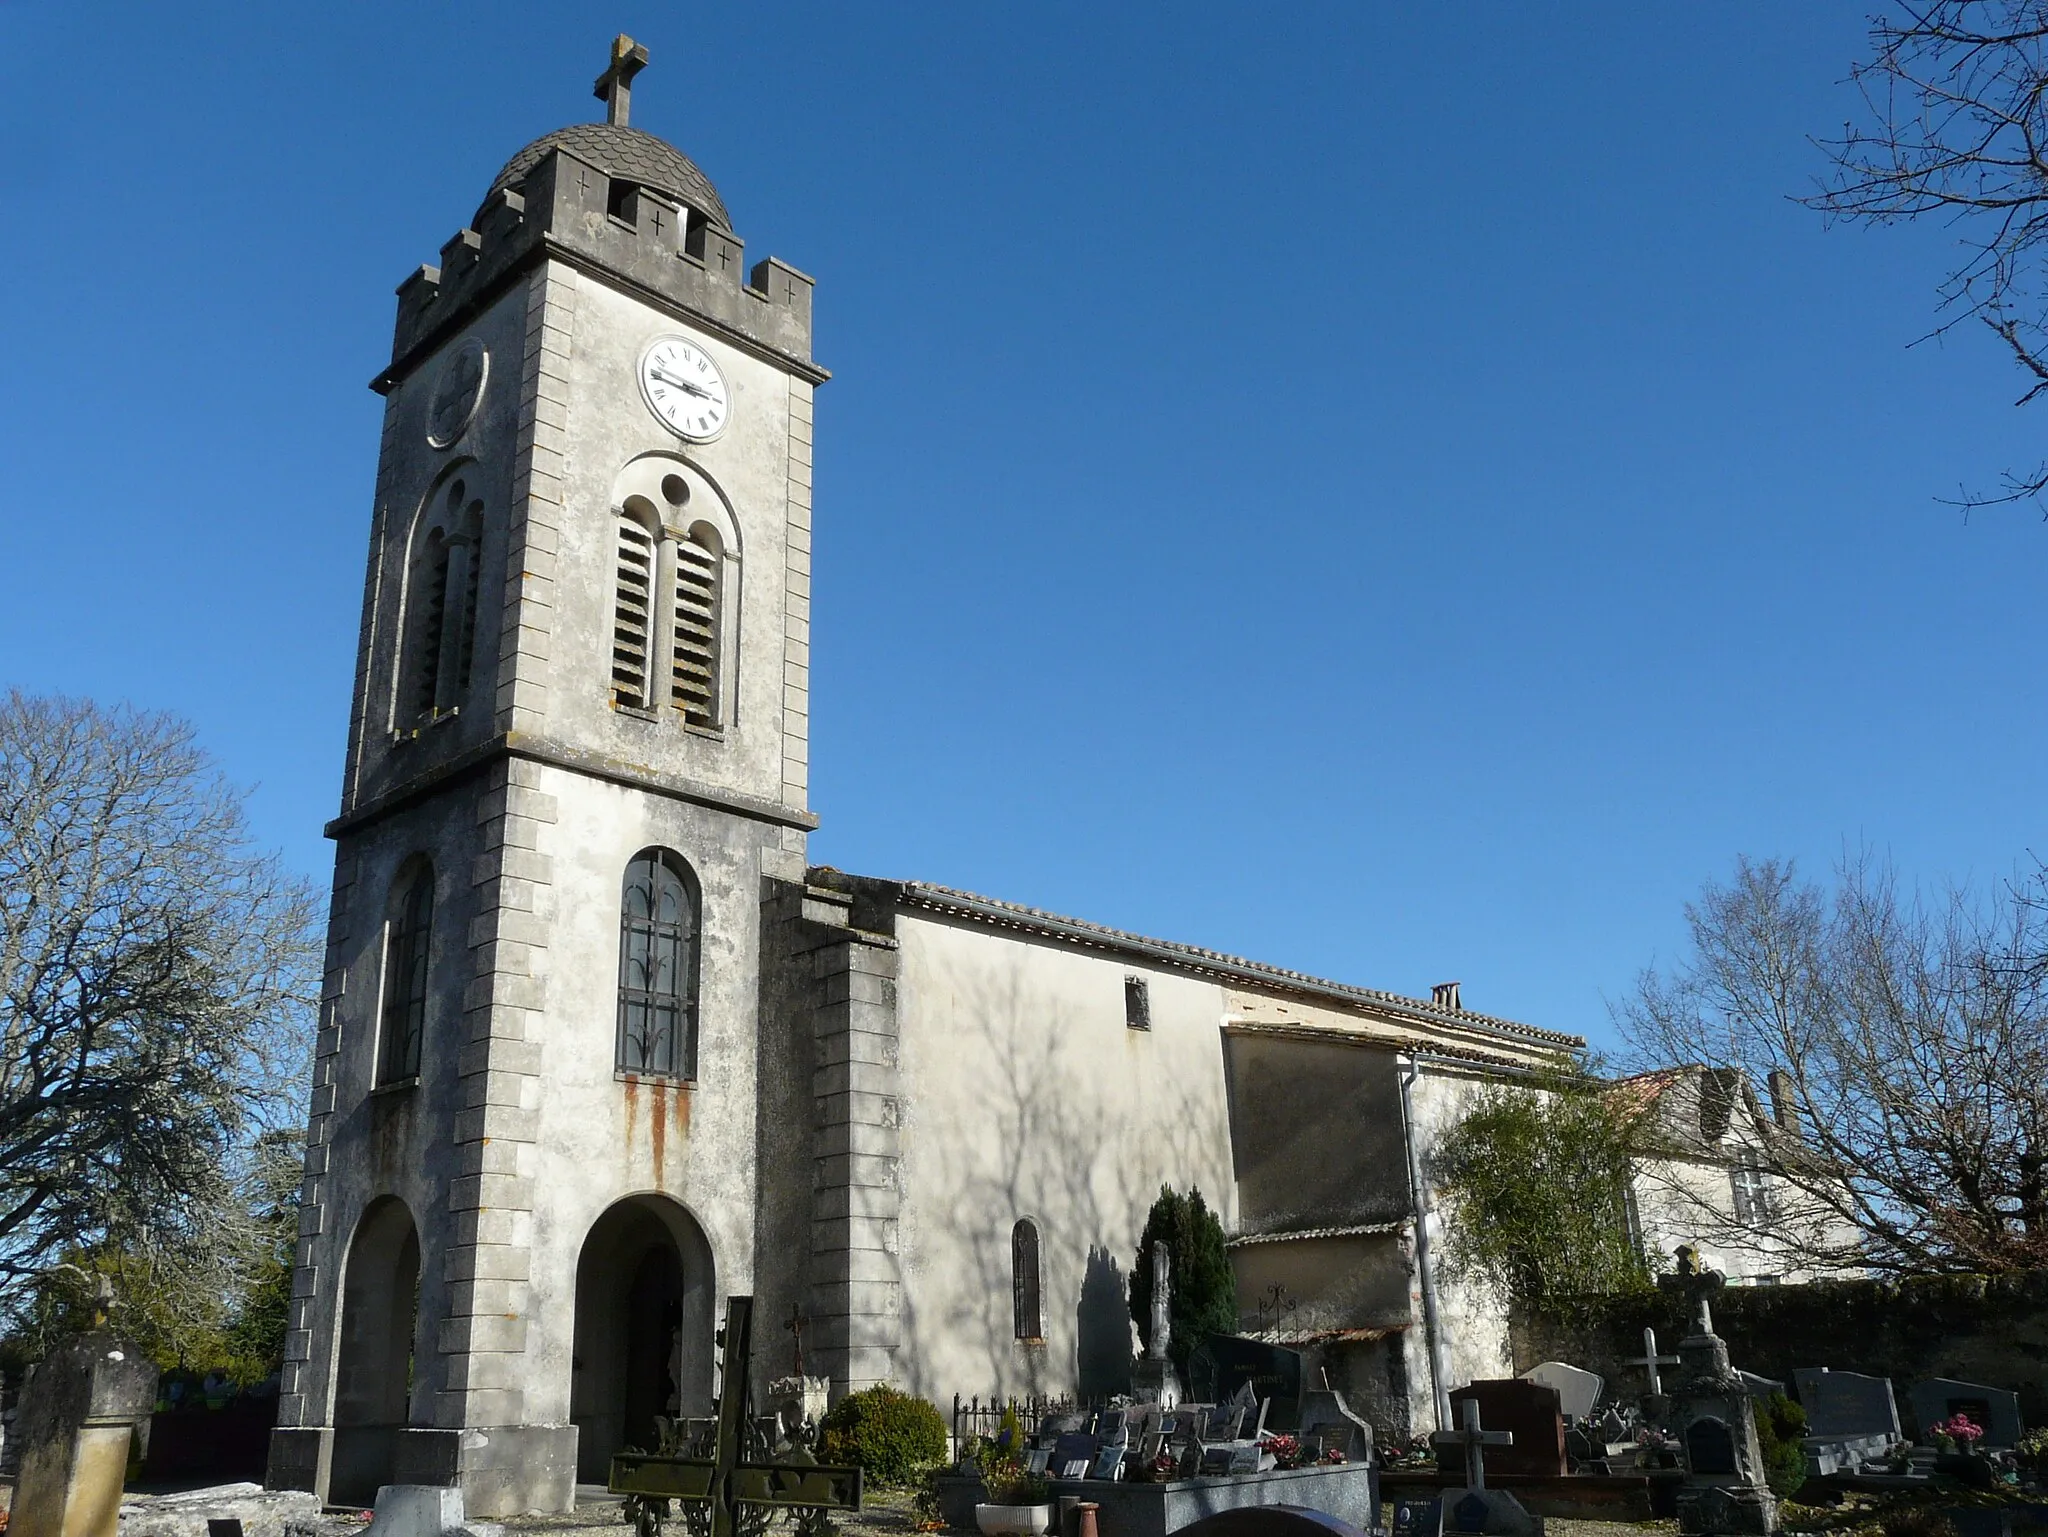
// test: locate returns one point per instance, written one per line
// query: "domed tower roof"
(624, 154)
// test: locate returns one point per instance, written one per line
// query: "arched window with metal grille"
(1030, 1319)
(660, 920)
(408, 949)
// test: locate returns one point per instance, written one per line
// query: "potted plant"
(1019, 1501)
(1956, 1441)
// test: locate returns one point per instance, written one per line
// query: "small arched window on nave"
(408, 951)
(660, 925)
(1024, 1295)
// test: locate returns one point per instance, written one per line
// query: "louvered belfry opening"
(431, 586)
(631, 618)
(693, 680)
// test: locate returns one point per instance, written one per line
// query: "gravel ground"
(887, 1513)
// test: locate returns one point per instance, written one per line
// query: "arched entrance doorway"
(373, 1381)
(644, 1322)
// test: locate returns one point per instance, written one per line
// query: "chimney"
(1784, 1100)
(1445, 996)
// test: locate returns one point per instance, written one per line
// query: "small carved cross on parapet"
(1649, 1361)
(1474, 1440)
(615, 86)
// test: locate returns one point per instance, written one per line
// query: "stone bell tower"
(577, 751)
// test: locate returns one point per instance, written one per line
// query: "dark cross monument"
(1474, 1441)
(1725, 1493)
(732, 1478)
(796, 1327)
(615, 86)
(1476, 1508)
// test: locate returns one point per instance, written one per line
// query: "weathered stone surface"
(262, 1512)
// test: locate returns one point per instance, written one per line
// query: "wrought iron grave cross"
(740, 1491)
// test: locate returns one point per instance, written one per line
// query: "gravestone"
(1222, 1364)
(1849, 1418)
(1418, 1518)
(1073, 1455)
(1995, 1409)
(1578, 1390)
(1847, 1403)
(77, 1418)
(1530, 1413)
(1325, 1414)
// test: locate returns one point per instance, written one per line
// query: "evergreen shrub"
(1779, 1425)
(885, 1432)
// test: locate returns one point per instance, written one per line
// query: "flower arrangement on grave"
(1414, 1451)
(1008, 1481)
(1958, 1433)
(1288, 1452)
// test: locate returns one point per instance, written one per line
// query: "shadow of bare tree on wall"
(1023, 1103)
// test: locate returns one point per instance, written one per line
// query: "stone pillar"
(856, 1288)
(77, 1418)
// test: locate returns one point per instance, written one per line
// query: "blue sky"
(1394, 491)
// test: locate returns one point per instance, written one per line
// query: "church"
(599, 1047)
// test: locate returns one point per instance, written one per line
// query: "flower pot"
(1012, 1520)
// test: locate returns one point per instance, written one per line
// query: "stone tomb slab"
(1529, 1412)
(1996, 1409)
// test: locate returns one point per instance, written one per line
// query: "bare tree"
(1909, 1040)
(1955, 98)
(157, 977)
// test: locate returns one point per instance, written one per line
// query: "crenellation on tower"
(649, 242)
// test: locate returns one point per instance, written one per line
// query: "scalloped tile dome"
(626, 154)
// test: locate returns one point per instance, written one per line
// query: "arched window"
(1024, 1280)
(693, 671)
(659, 926)
(442, 588)
(408, 944)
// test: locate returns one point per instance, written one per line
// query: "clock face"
(685, 389)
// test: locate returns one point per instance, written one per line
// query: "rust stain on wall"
(657, 1126)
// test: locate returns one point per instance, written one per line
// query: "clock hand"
(682, 384)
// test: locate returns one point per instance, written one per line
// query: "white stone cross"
(1649, 1360)
(1474, 1440)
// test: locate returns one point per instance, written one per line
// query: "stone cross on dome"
(615, 86)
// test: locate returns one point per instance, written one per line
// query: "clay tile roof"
(967, 904)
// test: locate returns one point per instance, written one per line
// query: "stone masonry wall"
(1992, 1330)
